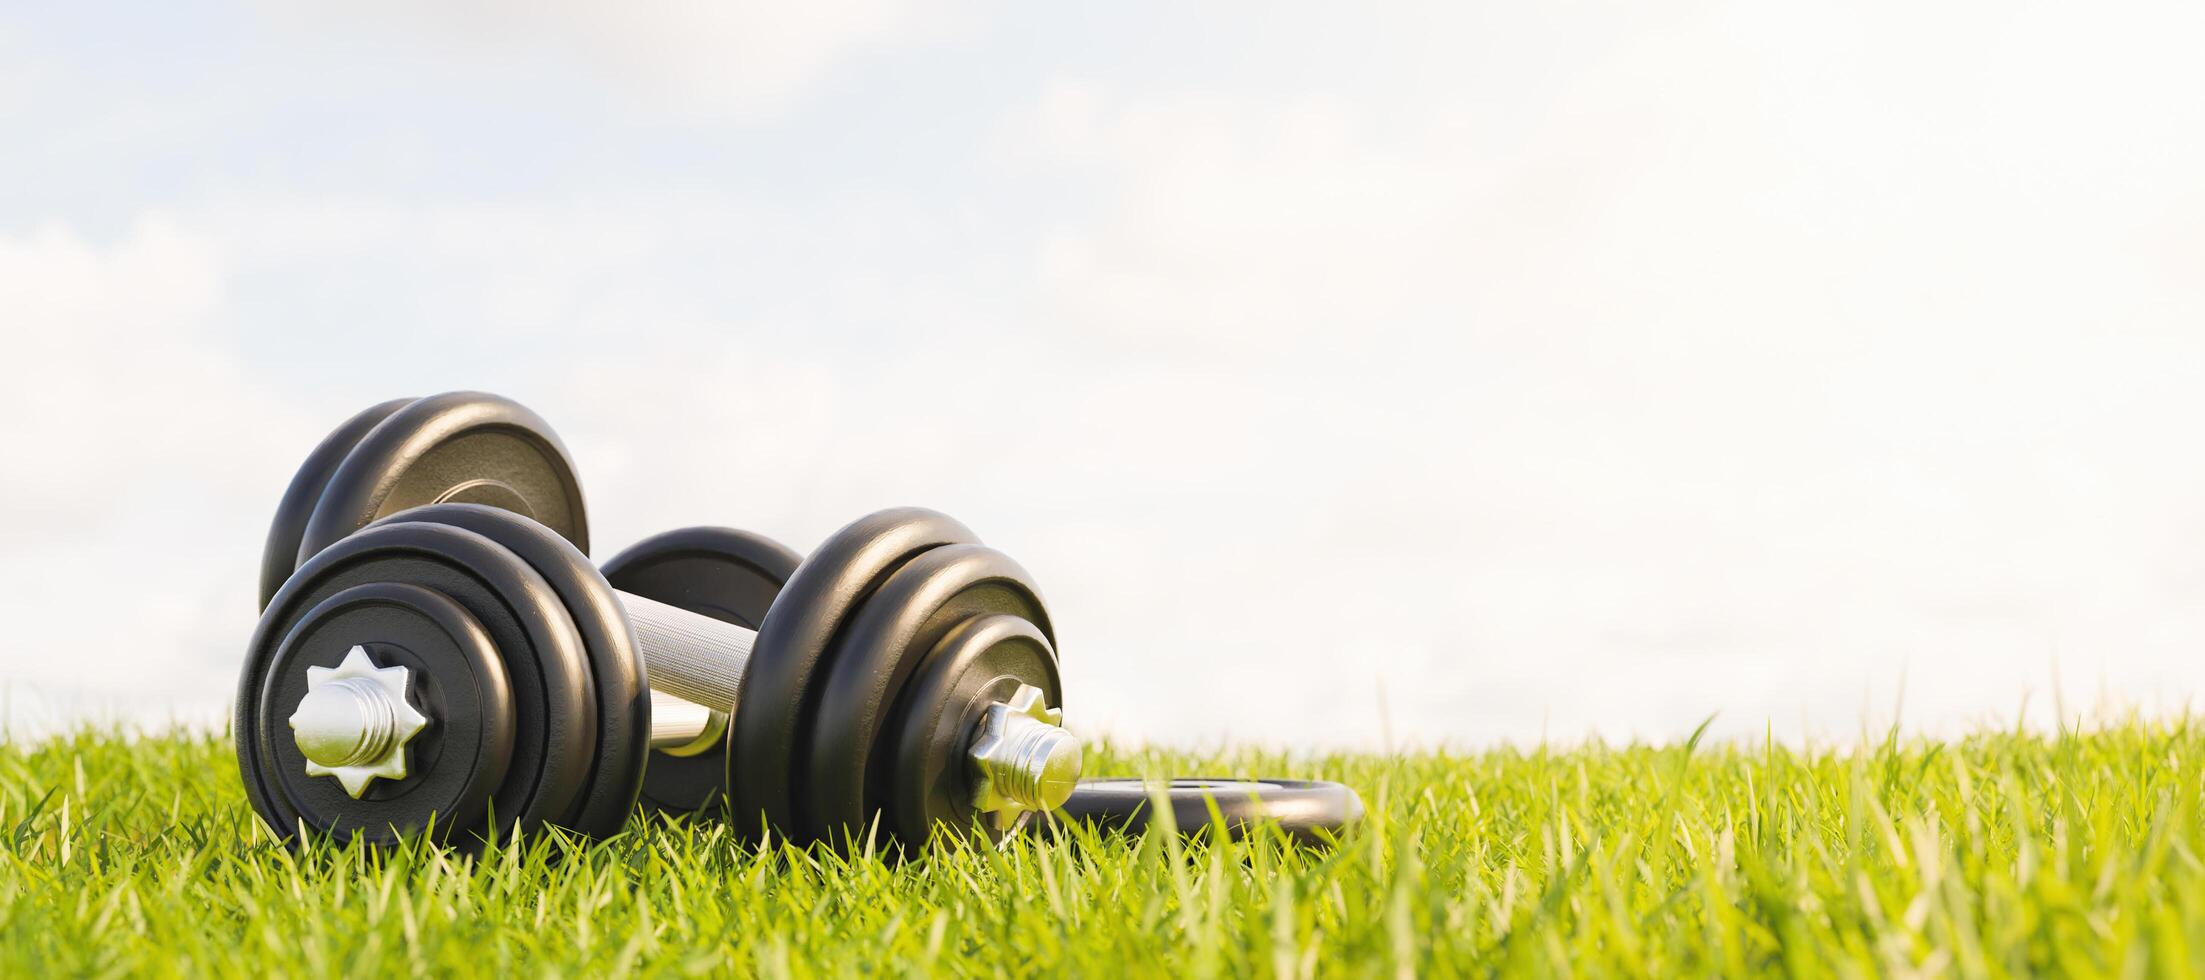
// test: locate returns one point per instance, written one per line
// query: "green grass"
(2000, 854)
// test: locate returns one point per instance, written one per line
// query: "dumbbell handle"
(692, 657)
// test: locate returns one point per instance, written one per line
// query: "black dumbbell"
(458, 664)
(457, 447)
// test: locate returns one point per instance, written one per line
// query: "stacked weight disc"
(458, 447)
(540, 714)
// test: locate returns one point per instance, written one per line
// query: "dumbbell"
(463, 671)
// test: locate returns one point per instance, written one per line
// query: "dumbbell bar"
(903, 674)
(1311, 813)
(357, 731)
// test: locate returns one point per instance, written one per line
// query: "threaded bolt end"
(354, 722)
(1037, 764)
(345, 723)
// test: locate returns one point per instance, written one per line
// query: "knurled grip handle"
(690, 656)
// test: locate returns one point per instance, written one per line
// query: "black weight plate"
(1309, 812)
(459, 447)
(616, 670)
(555, 711)
(455, 679)
(981, 661)
(729, 575)
(918, 604)
(780, 689)
(281, 554)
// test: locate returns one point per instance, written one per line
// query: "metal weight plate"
(729, 575)
(616, 669)
(875, 655)
(458, 447)
(926, 780)
(769, 735)
(454, 676)
(529, 631)
(1309, 812)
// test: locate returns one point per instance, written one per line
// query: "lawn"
(1999, 854)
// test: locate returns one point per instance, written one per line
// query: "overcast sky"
(1344, 372)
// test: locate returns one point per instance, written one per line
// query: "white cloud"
(742, 59)
(137, 450)
(113, 377)
(1726, 375)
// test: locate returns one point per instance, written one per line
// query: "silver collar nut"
(354, 722)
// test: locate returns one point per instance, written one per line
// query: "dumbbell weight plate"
(917, 606)
(454, 676)
(458, 447)
(616, 669)
(769, 735)
(729, 575)
(530, 632)
(280, 556)
(982, 660)
(1309, 812)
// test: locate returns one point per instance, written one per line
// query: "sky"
(1347, 375)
